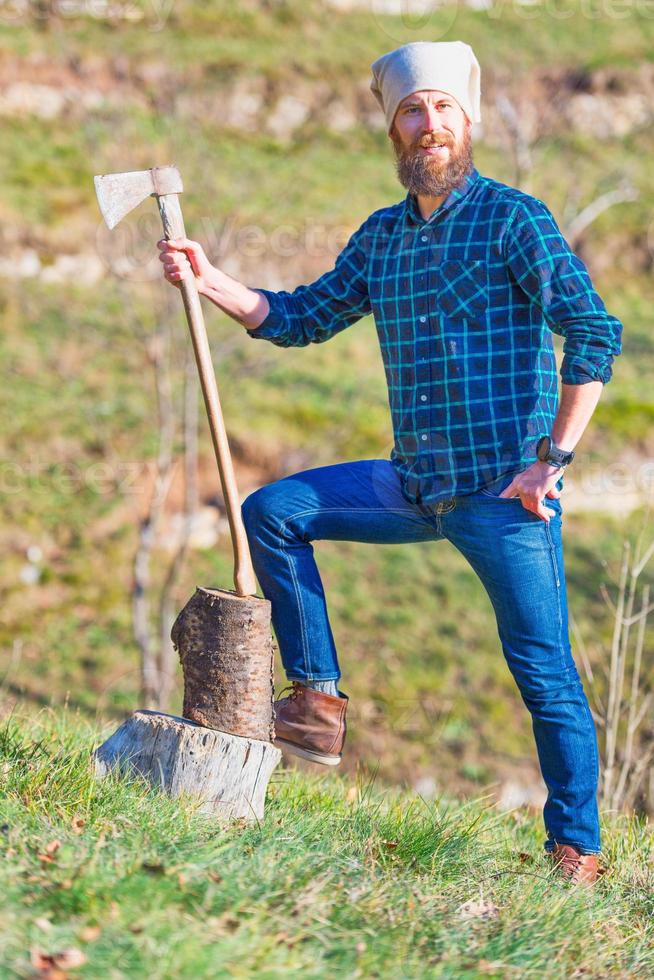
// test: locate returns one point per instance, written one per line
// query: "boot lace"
(295, 687)
(570, 864)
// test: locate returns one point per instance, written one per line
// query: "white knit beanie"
(446, 66)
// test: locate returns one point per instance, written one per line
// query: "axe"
(117, 195)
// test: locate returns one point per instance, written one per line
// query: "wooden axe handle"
(244, 580)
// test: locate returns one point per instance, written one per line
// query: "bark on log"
(228, 773)
(224, 643)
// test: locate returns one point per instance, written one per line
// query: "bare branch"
(519, 144)
(641, 615)
(632, 722)
(607, 598)
(641, 562)
(191, 503)
(619, 195)
(149, 527)
(611, 732)
(16, 654)
(587, 668)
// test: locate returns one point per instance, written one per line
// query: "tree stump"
(228, 774)
(220, 750)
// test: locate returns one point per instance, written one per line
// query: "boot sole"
(325, 760)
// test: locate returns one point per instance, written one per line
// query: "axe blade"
(118, 194)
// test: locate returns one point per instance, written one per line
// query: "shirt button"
(423, 398)
(424, 238)
(423, 319)
(424, 438)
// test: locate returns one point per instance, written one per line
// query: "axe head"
(118, 194)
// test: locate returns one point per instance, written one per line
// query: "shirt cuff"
(275, 320)
(577, 370)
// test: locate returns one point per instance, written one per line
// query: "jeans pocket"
(495, 488)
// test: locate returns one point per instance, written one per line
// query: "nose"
(431, 118)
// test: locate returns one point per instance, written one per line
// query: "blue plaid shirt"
(464, 303)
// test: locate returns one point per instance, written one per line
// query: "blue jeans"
(517, 556)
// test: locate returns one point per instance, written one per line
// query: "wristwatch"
(549, 452)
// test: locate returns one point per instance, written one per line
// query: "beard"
(422, 174)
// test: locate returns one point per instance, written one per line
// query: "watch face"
(543, 447)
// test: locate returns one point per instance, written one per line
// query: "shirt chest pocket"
(463, 288)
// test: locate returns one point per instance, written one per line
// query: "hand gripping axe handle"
(117, 195)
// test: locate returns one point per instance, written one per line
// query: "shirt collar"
(456, 194)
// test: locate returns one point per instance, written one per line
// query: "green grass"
(340, 879)
(414, 629)
(222, 35)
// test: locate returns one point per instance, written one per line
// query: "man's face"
(432, 140)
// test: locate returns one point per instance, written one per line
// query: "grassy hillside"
(339, 879)
(430, 693)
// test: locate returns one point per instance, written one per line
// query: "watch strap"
(556, 456)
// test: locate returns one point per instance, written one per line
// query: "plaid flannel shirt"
(464, 304)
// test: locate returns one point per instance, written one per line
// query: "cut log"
(220, 751)
(224, 643)
(227, 773)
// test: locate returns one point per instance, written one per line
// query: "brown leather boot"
(580, 869)
(311, 724)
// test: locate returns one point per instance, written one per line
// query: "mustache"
(427, 141)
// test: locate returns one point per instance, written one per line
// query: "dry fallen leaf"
(90, 933)
(478, 910)
(486, 966)
(44, 924)
(78, 824)
(54, 965)
(71, 958)
(50, 850)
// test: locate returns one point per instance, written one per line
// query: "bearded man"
(466, 279)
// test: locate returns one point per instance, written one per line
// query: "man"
(466, 278)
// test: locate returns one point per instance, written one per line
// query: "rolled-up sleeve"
(552, 276)
(313, 313)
